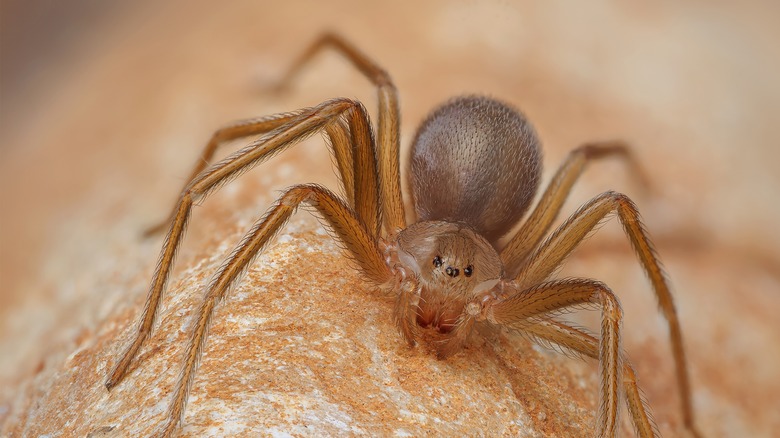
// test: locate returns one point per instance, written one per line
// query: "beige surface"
(98, 148)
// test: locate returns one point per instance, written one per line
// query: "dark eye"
(468, 270)
(437, 261)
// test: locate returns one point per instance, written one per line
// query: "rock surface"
(303, 347)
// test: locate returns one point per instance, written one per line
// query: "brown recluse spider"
(474, 170)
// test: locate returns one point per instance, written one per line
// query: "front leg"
(565, 239)
(578, 342)
(342, 222)
(306, 123)
(523, 309)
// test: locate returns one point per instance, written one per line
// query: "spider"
(474, 170)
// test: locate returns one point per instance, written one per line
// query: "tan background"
(104, 110)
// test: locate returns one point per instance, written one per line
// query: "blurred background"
(104, 107)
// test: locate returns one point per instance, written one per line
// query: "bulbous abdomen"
(478, 161)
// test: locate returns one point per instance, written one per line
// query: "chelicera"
(474, 170)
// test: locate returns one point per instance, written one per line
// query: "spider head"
(448, 255)
(452, 264)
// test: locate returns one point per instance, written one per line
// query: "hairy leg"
(307, 123)
(388, 131)
(551, 254)
(523, 309)
(344, 224)
(234, 131)
(550, 332)
(533, 230)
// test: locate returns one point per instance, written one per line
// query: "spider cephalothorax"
(450, 265)
(474, 170)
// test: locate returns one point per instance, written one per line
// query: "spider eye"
(468, 270)
(437, 261)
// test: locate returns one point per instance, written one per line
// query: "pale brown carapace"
(474, 170)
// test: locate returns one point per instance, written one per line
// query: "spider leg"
(337, 133)
(522, 309)
(344, 224)
(306, 123)
(240, 129)
(580, 342)
(388, 130)
(548, 256)
(533, 230)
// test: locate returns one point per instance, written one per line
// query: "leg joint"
(609, 302)
(298, 194)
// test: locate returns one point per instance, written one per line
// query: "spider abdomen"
(475, 160)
